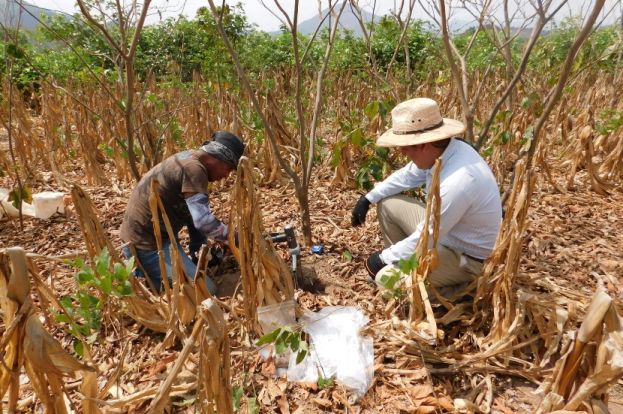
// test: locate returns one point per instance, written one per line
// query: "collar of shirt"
(446, 158)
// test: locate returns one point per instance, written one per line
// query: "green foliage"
(407, 266)
(421, 45)
(374, 165)
(284, 338)
(237, 394)
(15, 55)
(324, 383)
(89, 53)
(83, 309)
(179, 48)
(483, 52)
(252, 406)
(553, 47)
(347, 256)
(609, 121)
(601, 49)
(349, 52)
(391, 281)
(372, 169)
(18, 196)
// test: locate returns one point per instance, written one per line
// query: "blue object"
(317, 249)
(150, 262)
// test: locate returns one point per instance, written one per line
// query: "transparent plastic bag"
(337, 349)
(270, 318)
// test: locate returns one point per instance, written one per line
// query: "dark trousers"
(196, 240)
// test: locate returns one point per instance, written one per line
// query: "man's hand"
(374, 264)
(360, 211)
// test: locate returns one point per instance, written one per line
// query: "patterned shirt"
(180, 173)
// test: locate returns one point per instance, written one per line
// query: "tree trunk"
(302, 194)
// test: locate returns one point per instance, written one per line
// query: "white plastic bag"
(48, 203)
(337, 349)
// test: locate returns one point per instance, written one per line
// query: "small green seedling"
(324, 383)
(83, 309)
(286, 337)
(392, 281)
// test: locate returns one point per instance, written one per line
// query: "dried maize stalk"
(94, 235)
(265, 277)
(427, 259)
(25, 343)
(180, 296)
(580, 379)
(215, 375)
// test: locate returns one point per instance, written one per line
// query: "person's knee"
(383, 207)
(389, 208)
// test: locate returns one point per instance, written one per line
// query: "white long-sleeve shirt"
(471, 209)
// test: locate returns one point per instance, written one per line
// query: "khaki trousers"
(399, 216)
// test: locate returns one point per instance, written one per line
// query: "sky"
(254, 10)
(264, 19)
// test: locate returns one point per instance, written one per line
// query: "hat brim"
(449, 129)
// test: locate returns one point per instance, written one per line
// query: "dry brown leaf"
(420, 392)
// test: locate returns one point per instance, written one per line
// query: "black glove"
(360, 211)
(217, 253)
(374, 264)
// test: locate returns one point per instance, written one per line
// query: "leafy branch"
(283, 338)
(83, 310)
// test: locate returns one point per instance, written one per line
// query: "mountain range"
(12, 13)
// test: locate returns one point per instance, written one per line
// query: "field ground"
(572, 237)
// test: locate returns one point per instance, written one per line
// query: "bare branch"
(247, 85)
(318, 101)
(87, 14)
(562, 79)
(403, 33)
(270, 10)
(313, 37)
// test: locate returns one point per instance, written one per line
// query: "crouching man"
(471, 210)
(183, 181)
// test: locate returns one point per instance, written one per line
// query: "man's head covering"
(418, 121)
(225, 146)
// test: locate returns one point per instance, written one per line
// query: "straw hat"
(418, 121)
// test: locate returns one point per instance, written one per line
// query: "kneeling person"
(471, 210)
(183, 181)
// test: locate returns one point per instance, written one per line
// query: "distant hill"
(348, 20)
(10, 14)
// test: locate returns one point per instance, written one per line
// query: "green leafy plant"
(96, 285)
(324, 383)
(372, 169)
(609, 121)
(286, 337)
(392, 281)
(347, 256)
(252, 406)
(18, 196)
(237, 394)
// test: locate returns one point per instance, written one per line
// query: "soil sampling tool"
(288, 235)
